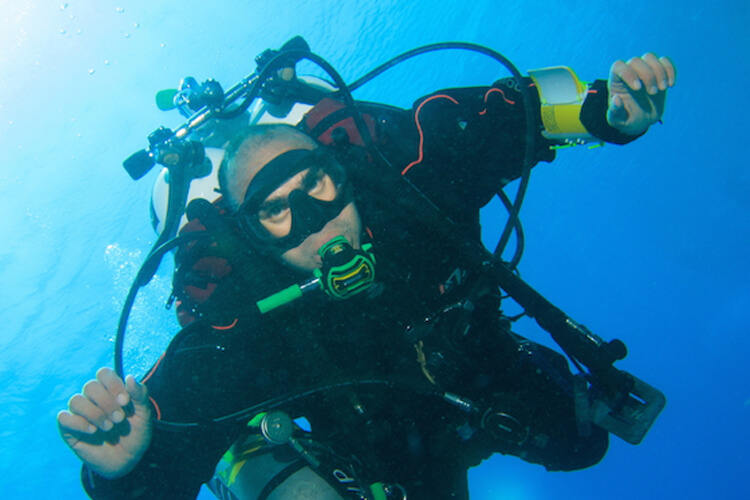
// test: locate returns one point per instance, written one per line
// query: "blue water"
(648, 243)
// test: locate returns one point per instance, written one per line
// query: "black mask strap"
(275, 173)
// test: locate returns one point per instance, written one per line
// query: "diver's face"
(310, 195)
(276, 217)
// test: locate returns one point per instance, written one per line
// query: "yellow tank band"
(561, 94)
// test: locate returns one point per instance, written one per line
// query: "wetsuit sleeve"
(185, 387)
(470, 142)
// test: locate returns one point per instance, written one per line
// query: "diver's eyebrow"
(312, 176)
(274, 203)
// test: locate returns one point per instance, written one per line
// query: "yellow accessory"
(422, 360)
(561, 94)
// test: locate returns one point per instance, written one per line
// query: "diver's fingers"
(114, 385)
(138, 392)
(670, 69)
(67, 422)
(99, 396)
(656, 69)
(645, 74)
(622, 71)
(83, 407)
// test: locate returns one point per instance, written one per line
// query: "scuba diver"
(343, 334)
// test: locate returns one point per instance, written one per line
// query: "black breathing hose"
(144, 275)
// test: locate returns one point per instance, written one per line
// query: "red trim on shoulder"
(490, 91)
(419, 128)
(487, 95)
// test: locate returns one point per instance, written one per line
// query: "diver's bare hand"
(108, 425)
(638, 91)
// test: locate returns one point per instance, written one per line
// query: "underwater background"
(648, 243)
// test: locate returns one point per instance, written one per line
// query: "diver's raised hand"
(637, 92)
(108, 425)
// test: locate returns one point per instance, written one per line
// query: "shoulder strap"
(213, 272)
(330, 119)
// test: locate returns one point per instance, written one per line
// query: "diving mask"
(275, 224)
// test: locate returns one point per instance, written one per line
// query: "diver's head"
(291, 197)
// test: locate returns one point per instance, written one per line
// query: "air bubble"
(120, 10)
(64, 6)
(136, 25)
(92, 71)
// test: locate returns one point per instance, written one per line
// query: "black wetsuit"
(397, 348)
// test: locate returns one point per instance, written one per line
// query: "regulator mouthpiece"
(345, 272)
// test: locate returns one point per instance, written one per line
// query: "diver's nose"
(306, 213)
